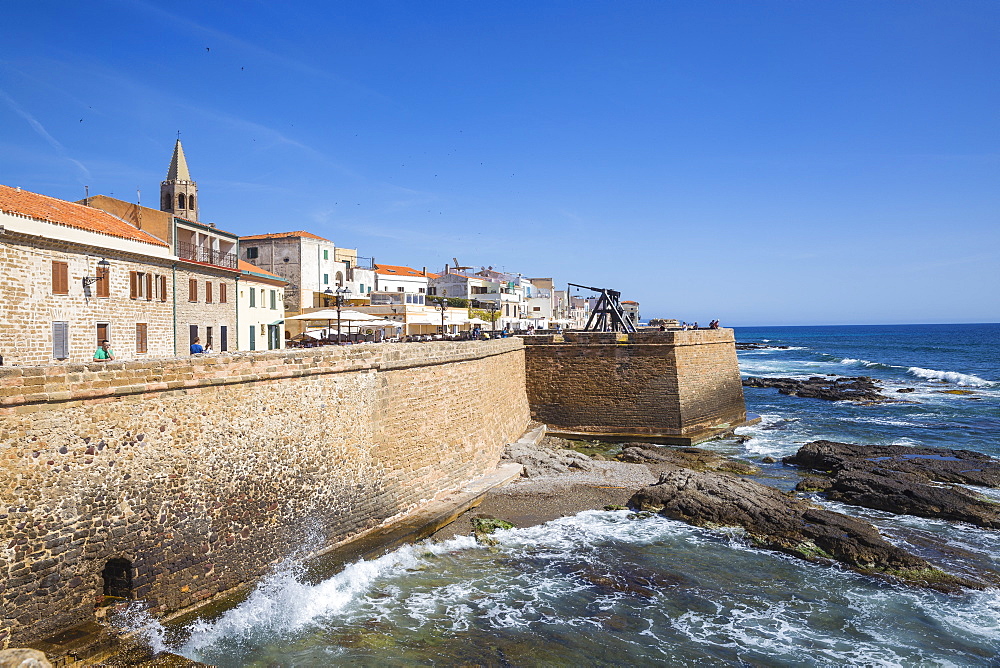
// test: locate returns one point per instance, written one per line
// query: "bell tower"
(179, 194)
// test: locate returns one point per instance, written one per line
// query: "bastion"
(676, 387)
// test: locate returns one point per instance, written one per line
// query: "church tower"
(179, 194)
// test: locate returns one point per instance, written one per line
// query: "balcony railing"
(186, 251)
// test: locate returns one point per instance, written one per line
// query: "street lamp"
(492, 308)
(442, 304)
(339, 296)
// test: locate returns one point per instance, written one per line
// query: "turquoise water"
(603, 588)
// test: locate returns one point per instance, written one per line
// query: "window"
(190, 201)
(223, 338)
(103, 282)
(140, 337)
(140, 285)
(60, 278)
(163, 288)
(362, 290)
(420, 290)
(430, 291)
(60, 340)
(192, 333)
(181, 201)
(253, 299)
(326, 255)
(252, 253)
(192, 290)
(274, 299)
(102, 333)
(253, 337)
(399, 289)
(222, 293)
(208, 338)
(208, 292)
(536, 308)
(326, 279)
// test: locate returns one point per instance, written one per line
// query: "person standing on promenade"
(196, 348)
(104, 353)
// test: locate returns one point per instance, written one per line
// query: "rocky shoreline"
(861, 389)
(706, 489)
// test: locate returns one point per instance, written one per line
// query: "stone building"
(260, 296)
(71, 276)
(205, 270)
(312, 266)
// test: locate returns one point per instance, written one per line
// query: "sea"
(611, 588)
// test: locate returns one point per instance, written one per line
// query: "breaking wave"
(950, 377)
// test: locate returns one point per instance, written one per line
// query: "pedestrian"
(196, 347)
(104, 352)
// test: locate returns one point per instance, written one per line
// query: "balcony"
(188, 251)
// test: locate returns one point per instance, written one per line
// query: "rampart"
(178, 479)
(678, 386)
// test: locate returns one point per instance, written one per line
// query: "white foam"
(950, 377)
(282, 603)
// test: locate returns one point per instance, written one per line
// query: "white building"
(260, 307)
(312, 266)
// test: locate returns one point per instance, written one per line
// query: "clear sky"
(764, 163)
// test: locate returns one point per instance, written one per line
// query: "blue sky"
(764, 163)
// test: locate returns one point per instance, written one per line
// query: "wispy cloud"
(43, 133)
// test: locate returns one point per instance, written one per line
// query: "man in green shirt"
(104, 353)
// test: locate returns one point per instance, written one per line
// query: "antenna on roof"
(86, 190)
(138, 196)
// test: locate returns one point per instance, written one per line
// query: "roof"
(178, 165)
(627, 301)
(248, 268)
(398, 270)
(284, 235)
(70, 214)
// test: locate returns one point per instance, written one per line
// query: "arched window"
(190, 201)
(340, 279)
(181, 202)
(117, 576)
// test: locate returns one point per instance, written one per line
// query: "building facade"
(261, 300)
(71, 276)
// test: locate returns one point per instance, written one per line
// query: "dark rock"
(904, 390)
(859, 388)
(780, 522)
(814, 484)
(758, 346)
(691, 458)
(904, 479)
(769, 460)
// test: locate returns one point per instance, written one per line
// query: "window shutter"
(192, 290)
(149, 287)
(224, 338)
(103, 282)
(192, 333)
(208, 292)
(140, 337)
(163, 288)
(60, 278)
(60, 340)
(133, 285)
(222, 294)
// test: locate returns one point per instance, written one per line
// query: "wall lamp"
(90, 280)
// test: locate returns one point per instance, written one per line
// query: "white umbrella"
(478, 321)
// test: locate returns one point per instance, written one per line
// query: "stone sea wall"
(674, 386)
(182, 478)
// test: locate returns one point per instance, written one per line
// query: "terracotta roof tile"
(399, 270)
(70, 214)
(253, 269)
(283, 235)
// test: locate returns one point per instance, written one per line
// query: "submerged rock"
(859, 388)
(904, 479)
(541, 461)
(791, 525)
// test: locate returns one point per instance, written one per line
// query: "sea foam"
(950, 377)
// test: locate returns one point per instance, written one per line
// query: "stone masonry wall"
(204, 471)
(674, 383)
(28, 306)
(202, 313)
